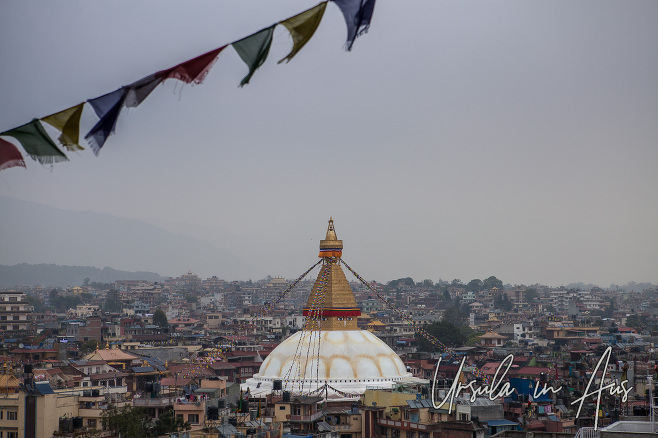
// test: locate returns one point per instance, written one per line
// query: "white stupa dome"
(347, 360)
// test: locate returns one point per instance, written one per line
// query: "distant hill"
(52, 275)
(35, 233)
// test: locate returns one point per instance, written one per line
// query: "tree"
(492, 282)
(446, 295)
(474, 285)
(88, 346)
(407, 281)
(530, 295)
(636, 321)
(454, 316)
(502, 302)
(130, 422)
(112, 301)
(450, 334)
(37, 303)
(191, 298)
(160, 319)
(609, 309)
(167, 423)
(127, 422)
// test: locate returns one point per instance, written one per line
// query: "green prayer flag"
(302, 27)
(254, 50)
(68, 123)
(37, 143)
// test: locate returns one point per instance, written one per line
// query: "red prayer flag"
(10, 156)
(195, 70)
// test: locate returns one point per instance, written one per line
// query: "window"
(12, 434)
(193, 418)
(12, 415)
(91, 423)
(281, 408)
(180, 416)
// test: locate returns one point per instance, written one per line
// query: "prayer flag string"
(253, 50)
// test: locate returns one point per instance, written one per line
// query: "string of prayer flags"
(37, 143)
(138, 91)
(10, 156)
(358, 14)
(254, 50)
(193, 71)
(107, 108)
(302, 27)
(68, 123)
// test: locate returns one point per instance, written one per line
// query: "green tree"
(636, 321)
(449, 334)
(86, 297)
(130, 422)
(191, 298)
(454, 316)
(427, 283)
(474, 285)
(112, 301)
(502, 302)
(446, 295)
(127, 422)
(167, 423)
(37, 303)
(160, 319)
(88, 346)
(530, 295)
(407, 281)
(492, 282)
(609, 309)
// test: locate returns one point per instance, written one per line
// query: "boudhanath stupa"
(331, 353)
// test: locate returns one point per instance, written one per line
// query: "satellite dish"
(21, 345)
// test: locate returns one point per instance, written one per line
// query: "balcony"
(408, 425)
(154, 402)
(306, 418)
(346, 427)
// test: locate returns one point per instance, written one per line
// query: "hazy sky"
(459, 139)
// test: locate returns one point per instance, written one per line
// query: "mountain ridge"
(52, 275)
(35, 233)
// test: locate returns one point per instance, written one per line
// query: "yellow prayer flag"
(302, 27)
(68, 123)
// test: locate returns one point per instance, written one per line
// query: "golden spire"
(331, 231)
(331, 299)
(331, 246)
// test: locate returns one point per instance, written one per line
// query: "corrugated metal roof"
(143, 369)
(501, 423)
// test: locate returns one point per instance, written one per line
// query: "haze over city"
(458, 139)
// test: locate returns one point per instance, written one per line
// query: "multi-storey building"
(15, 313)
